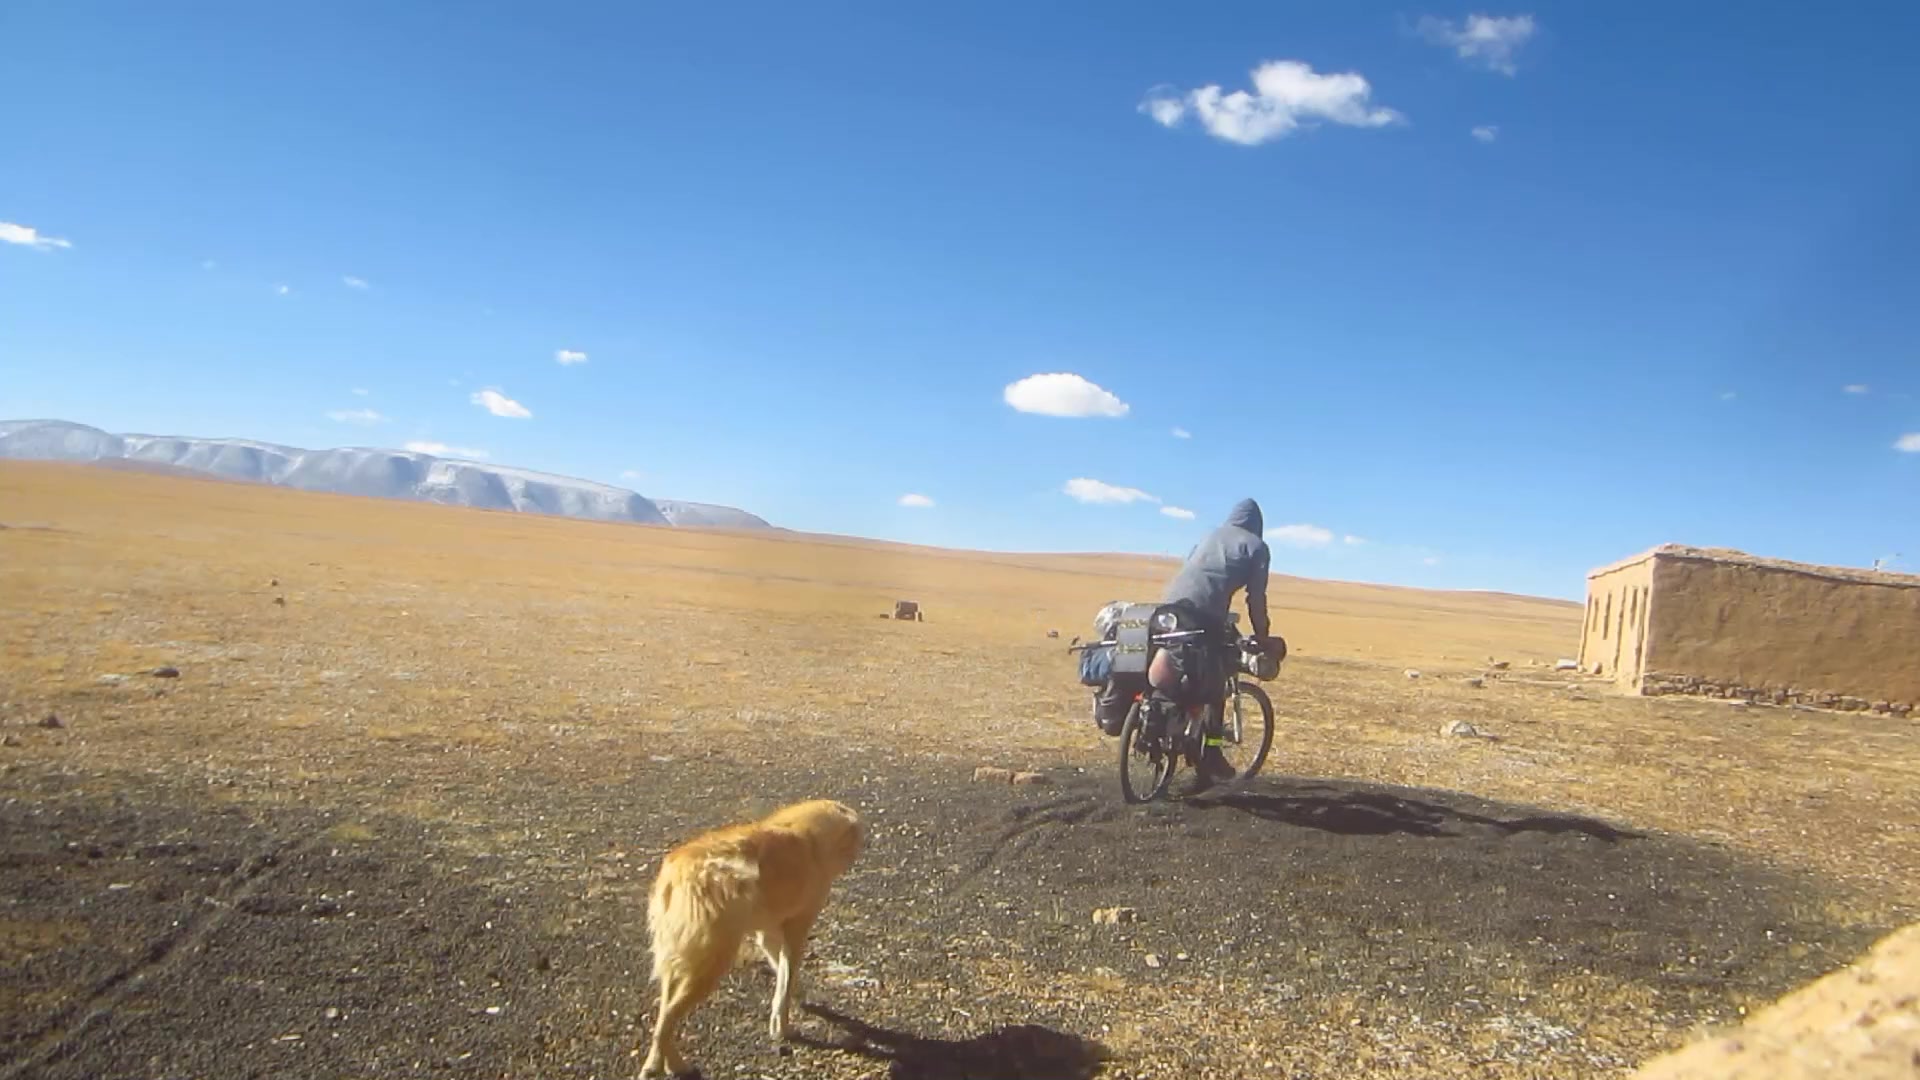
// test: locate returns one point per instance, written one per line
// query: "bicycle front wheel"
(1246, 728)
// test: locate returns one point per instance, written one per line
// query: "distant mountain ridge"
(382, 473)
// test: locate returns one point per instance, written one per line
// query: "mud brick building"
(1722, 623)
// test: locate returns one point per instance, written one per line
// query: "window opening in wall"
(1619, 637)
(1607, 619)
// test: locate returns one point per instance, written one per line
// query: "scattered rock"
(1153, 961)
(331, 1013)
(1053, 633)
(168, 672)
(274, 583)
(1597, 667)
(111, 679)
(1476, 682)
(1901, 708)
(1883, 706)
(10, 740)
(1412, 674)
(1497, 665)
(280, 601)
(1460, 728)
(1114, 916)
(52, 720)
(1566, 665)
(990, 775)
(1028, 779)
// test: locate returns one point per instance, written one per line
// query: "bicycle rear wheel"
(1146, 761)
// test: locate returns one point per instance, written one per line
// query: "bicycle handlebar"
(1246, 642)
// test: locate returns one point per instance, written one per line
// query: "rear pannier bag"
(1096, 664)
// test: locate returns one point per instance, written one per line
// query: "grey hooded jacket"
(1230, 558)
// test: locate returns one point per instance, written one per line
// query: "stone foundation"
(1657, 684)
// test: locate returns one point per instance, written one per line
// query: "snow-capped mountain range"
(391, 474)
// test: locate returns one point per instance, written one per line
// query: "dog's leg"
(773, 941)
(663, 1054)
(795, 933)
(680, 993)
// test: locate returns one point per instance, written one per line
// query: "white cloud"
(438, 449)
(1062, 394)
(1095, 491)
(1301, 536)
(500, 404)
(359, 391)
(1489, 41)
(917, 502)
(208, 264)
(1854, 388)
(568, 357)
(352, 282)
(1431, 560)
(1167, 110)
(1486, 132)
(1182, 433)
(630, 474)
(1180, 512)
(1728, 395)
(1287, 95)
(1352, 540)
(358, 417)
(1908, 443)
(282, 290)
(26, 236)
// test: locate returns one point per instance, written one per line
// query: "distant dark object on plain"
(908, 609)
(165, 673)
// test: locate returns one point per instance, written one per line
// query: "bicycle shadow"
(1362, 810)
(1016, 1052)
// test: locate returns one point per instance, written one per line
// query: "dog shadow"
(1349, 811)
(1016, 1052)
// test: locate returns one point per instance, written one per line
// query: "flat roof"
(1731, 557)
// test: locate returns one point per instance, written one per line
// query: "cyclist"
(1228, 559)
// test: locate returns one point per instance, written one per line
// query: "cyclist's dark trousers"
(1189, 672)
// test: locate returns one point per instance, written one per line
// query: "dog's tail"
(698, 911)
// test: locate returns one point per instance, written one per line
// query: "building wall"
(1739, 629)
(1614, 636)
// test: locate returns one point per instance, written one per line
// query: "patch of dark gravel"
(157, 932)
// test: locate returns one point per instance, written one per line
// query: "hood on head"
(1246, 515)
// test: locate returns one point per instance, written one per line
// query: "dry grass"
(421, 650)
(407, 624)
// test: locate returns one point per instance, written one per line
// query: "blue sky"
(806, 252)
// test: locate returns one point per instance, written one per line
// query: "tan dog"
(768, 878)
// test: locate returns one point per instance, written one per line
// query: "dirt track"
(1298, 929)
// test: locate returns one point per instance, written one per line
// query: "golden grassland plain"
(400, 652)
